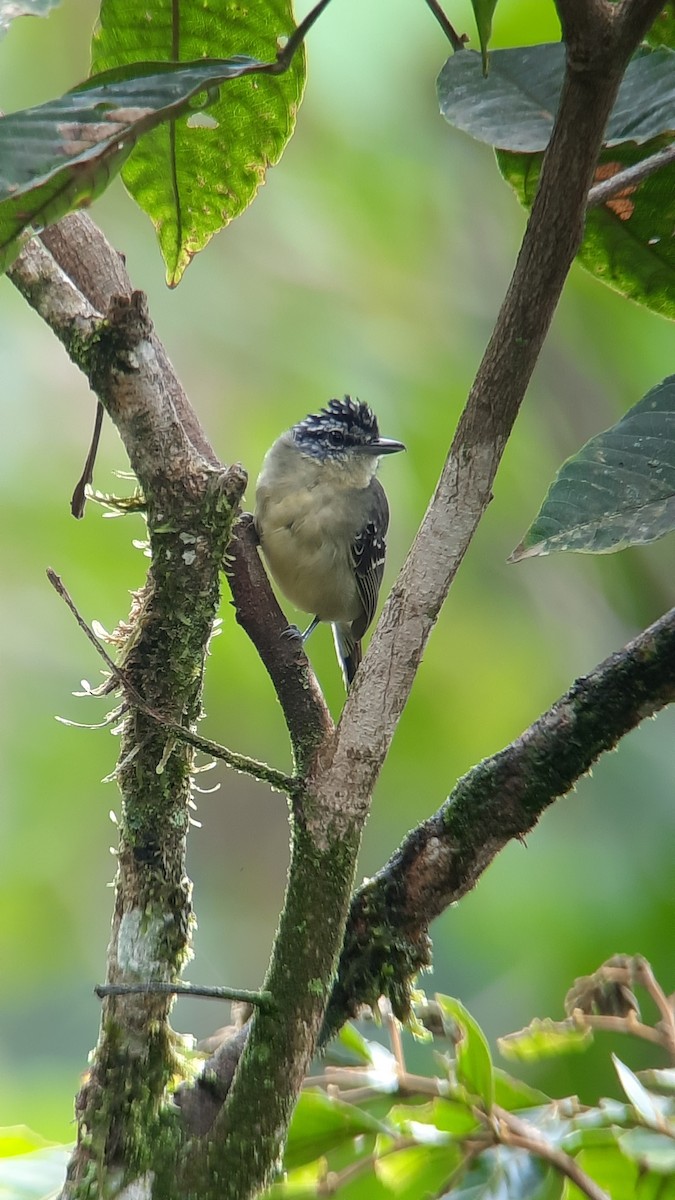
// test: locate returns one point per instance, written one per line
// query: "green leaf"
(512, 1094)
(662, 32)
(628, 243)
(63, 154)
(506, 1174)
(619, 490)
(416, 1172)
(610, 1169)
(19, 1139)
(659, 1079)
(33, 1176)
(472, 1054)
(320, 1123)
(544, 1039)
(193, 179)
(649, 1107)
(514, 108)
(447, 1116)
(483, 11)
(650, 1150)
(350, 1048)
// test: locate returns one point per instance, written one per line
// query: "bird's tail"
(348, 650)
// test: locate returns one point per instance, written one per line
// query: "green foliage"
(515, 1143)
(194, 174)
(63, 154)
(515, 106)
(619, 490)
(628, 241)
(483, 11)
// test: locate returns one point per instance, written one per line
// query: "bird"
(321, 518)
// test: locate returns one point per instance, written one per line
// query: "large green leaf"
(320, 1123)
(619, 490)
(628, 241)
(62, 154)
(515, 106)
(192, 177)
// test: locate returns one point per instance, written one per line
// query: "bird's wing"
(368, 553)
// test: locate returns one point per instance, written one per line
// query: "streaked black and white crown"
(342, 425)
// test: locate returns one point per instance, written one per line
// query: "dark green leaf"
(628, 242)
(542, 1039)
(483, 11)
(662, 32)
(62, 154)
(320, 1123)
(515, 106)
(472, 1054)
(619, 490)
(193, 178)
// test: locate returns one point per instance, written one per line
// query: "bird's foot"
(292, 633)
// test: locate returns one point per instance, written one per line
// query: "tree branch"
(626, 181)
(500, 799)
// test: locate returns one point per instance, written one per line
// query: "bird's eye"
(337, 437)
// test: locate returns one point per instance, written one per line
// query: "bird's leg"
(293, 632)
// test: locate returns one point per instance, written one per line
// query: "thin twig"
(628, 179)
(628, 1025)
(238, 762)
(652, 985)
(511, 1131)
(257, 999)
(457, 40)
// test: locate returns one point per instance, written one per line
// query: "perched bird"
(321, 517)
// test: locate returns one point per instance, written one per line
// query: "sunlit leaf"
(320, 1123)
(191, 176)
(446, 1116)
(544, 1039)
(473, 1061)
(418, 1171)
(660, 1079)
(515, 106)
(650, 1150)
(628, 243)
(33, 1176)
(650, 1107)
(512, 1094)
(619, 490)
(62, 154)
(610, 1170)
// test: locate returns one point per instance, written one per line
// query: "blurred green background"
(373, 262)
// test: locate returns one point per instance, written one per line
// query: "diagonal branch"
(500, 799)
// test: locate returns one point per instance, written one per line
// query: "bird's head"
(343, 430)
